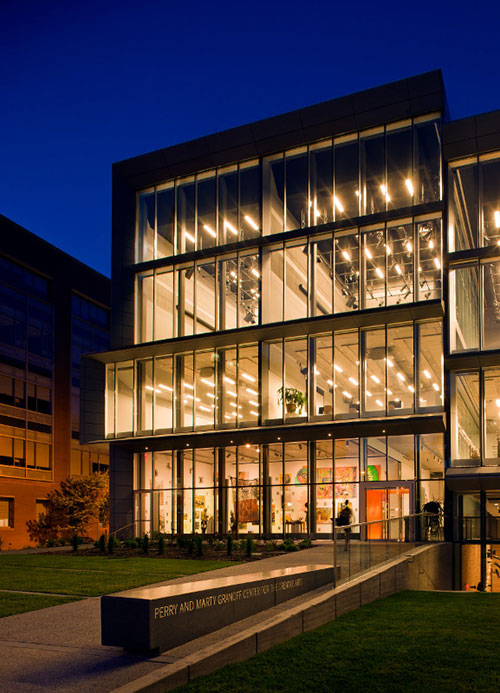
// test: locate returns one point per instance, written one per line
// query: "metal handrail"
(389, 519)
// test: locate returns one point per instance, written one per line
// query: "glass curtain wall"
(358, 174)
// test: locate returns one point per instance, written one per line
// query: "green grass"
(92, 575)
(19, 603)
(414, 641)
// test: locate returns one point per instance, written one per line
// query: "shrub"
(270, 546)
(199, 546)
(76, 541)
(145, 545)
(181, 542)
(112, 543)
(161, 545)
(190, 546)
(130, 543)
(305, 543)
(51, 543)
(139, 541)
(229, 545)
(249, 546)
(101, 544)
(218, 545)
(288, 545)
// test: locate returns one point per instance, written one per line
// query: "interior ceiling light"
(368, 393)
(230, 227)
(379, 403)
(497, 219)
(165, 387)
(437, 263)
(428, 376)
(231, 393)
(375, 379)
(191, 387)
(148, 387)
(338, 203)
(203, 408)
(252, 392)
(411, 388)
(435, 386)
(498, 402)
(248, 377)
(431, 244)
(251, 222)
(390, 363)
(388, 250)
(398, 269)
(384, 191)
(337, 368)
(207, 382)
(379, 272)
(409, 185)
(354, 382)
(254, 412)
(189, 237)
(368, 254)
(229, 380)
(347, 394)
(255, 272)
(400, 376)
(346, 255)
(409, 246)
(210, 230)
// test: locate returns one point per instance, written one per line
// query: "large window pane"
(124, 397)
(400, 271)
(296, 189)
(145, 392)
(275, 465)
(346, 375)
(465, 430)
(110, 400)
(205, 297)
(400, 186)
(346, 466)
(400, 383)
(429, 263)
(373, 183)
(248, 385)
(204, 389)
(375, 361)
(165, 201)
(491, 305)
(273, 193)
(427, 161)
(185, 301)
(464, 300)
(346, 288)
(146, 227)
(321, 278)
(164, 305)
(250, 196)
(164, 394)
(430, 339)
(186, 232)
(321, 183)
(249, 291)
(227, 391)
(228, 204)
(272, 381)
(492, 416)
(463, 206)
(324, 486)
(206, 195)
(185, 383)
(272, 284)
(296, 274)
(374, 460)
(228, 293)
(374, 259)
(322, 375)
(490, 171)
(346, 194)
(400, 458)
(294, 393)
(144, 308)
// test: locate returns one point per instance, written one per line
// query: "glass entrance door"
(387, 502)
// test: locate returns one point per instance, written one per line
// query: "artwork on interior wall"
(373, 472)
(199, 501)
(323, 515)
(301, 476)
(345, 475)
(284, 478)
(248, 507)
(325, 486)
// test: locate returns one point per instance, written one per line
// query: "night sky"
(87, 84)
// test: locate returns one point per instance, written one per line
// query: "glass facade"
(286, 488)
(363, 173)
(387, 265)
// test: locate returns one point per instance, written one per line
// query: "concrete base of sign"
(158, 618)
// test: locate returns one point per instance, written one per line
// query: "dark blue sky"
(86, 84)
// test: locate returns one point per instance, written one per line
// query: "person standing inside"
(344, 520)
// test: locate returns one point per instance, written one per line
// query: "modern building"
(305, 311)
(52, 310)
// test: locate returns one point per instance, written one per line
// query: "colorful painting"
(324, 475)
(199, 501)
(345, 475)
(248, 506)
(324, 491)
(373, 472)
(301, 476)
(323, 515)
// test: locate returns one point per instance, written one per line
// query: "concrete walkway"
(59, 648)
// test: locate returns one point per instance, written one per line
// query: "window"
(40, 508)
(6, 512)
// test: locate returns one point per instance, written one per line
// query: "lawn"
(413, 641)
(11, 603)
(92, 575)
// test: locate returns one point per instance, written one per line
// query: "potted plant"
(295, 400)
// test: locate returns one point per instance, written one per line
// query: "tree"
(70, 509)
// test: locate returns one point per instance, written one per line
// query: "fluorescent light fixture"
(368, 393)
(428, 376)
(165, 387)
(230, 227)
(229, 380)
(233, 274)
(400, 376)
(191, 387)
(255, 413)
(330, 382)
(389, 392)
(210, 230)
(189, 237)
(375, 379)
(337, 368)
(388, 249)
(411, 388)
(353, 381)
(203, 408)
(435, 386)
(251, 222)
(497, 219)
(233, 404)
(248, 377)
(148, 387)
(437, 263)
(409, 246)
(231, 393)
(398, 269)
(431, 244)
(384, 191)
(211, 395)
(498, 402)
(377, 401)
(346, 255)
(253, 402)
(255, 272)
(316, 371)
(368, 254)
(379, 272)
(347, 394)
(390, 363)
(207, 382)
(409, 185)
(252, 392)
(338, 203)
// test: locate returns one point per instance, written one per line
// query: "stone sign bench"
(157, 618)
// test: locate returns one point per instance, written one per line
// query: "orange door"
(375, 502)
